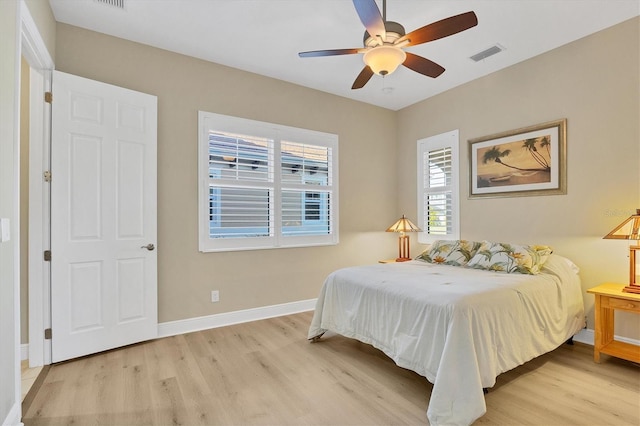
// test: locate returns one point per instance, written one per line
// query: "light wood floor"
(28, 376)
(266, 373)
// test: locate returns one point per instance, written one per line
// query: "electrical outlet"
(215, 296)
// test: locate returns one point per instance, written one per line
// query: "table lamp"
(403, 225)
(629, 230)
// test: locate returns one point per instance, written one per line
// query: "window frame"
(208, 121)
(450, 140)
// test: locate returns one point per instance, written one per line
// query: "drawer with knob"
(622, 304)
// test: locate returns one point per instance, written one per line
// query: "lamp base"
(403, 249)
(632, 288)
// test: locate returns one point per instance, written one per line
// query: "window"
(438, 188)
(312, 204)
(264, 185)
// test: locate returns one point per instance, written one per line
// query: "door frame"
(35, 52)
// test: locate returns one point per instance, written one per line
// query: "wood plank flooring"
(267, 373)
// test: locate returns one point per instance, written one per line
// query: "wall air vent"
(115, 3)
(487, 52)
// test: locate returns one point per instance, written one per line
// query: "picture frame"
(529, 161)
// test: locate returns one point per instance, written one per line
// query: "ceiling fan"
(384, 42)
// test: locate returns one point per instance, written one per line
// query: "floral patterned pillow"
(510, 258)
(450, 252)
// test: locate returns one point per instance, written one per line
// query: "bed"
(458, 326)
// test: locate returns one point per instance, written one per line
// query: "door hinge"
(47, 333)
(48, 97)
(47, 176)
(47, 255)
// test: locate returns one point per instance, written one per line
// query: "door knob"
(149, 247)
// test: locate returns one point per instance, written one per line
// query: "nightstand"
(609, 297)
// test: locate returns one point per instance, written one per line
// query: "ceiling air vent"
(115, 3)
(487, 52)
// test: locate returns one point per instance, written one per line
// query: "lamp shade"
(384, 60)
(627, 230)
(403, 225)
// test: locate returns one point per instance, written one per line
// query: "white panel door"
(103, 217)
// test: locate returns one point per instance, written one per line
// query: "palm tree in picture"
(546, 143)
(496, 155)
(530, 145)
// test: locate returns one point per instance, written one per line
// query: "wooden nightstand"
(609, 297)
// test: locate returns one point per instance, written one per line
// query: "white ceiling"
(264, 36)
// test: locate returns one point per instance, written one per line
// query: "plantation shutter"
(265, 185)
(307, 186)
(438, 192)
(240, 186)
(438, 187)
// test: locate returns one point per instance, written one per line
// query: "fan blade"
(422, 65)
(332, 52)
(440, 29)
(362, 78)
(370, 17)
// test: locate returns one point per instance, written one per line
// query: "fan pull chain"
(386, 90)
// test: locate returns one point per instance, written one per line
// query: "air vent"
(114, 3)
(487, 52)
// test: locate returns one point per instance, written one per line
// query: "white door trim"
(39, 306)
(33, 48)
(35, 52)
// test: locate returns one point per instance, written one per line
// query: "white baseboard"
(14, 415)
(587, 336)
(24, 351)
(172, 328)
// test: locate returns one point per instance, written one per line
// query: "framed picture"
(527, 161)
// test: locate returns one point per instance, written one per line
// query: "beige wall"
(184, 85)
(595, 84)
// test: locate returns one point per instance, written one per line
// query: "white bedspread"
(458, 327)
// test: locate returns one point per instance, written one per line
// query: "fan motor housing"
(394, 31)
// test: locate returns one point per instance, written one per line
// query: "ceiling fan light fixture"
(384, 42)
(384, 60)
